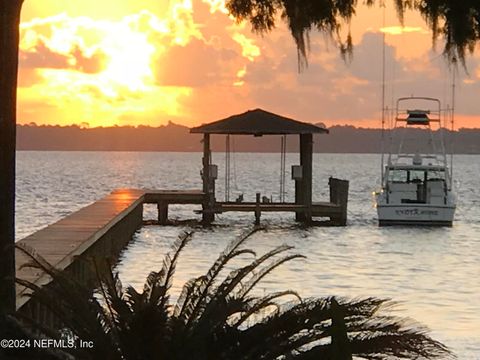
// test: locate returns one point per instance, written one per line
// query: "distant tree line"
(172, 137)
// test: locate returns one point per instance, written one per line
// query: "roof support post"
(208, 189)
(299, 214)
(306, 158)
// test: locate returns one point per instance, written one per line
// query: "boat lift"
(261, 123)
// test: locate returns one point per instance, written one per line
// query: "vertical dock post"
(306, 159)
(258, 212)
(162, 213)
(339, 196)
(299, 215)
(207, 206)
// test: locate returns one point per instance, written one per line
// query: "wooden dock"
(102, 229)
(335, 210)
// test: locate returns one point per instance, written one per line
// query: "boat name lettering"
(415, 212)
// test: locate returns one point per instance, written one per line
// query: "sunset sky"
(149, 62)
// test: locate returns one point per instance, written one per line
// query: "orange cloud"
(97, 71)
(188, 61)
(196, 65)
(40, 56)
(399, 30)
(249, 49)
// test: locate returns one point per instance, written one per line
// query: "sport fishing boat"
(416, 179)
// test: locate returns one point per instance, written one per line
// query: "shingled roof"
(258, 122)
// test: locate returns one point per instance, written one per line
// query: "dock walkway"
(100, 229)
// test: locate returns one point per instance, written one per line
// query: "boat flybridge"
(416, 179)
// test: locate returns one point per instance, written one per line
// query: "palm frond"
(217, 307)
(74, 305)
(203, 287)
(188, 299)
(170, 261)
(276, 251)
(401, 344)
(259, 304)
(208, 306)
(111, 289)
(234, 279)
(265, 271)
(225, 256)
(290, 329)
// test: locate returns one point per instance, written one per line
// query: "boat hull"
(421, 215)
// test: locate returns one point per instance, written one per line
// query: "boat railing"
(425, 123)
(440, 158)
(419, 117)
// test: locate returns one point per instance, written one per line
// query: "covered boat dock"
(258, 123)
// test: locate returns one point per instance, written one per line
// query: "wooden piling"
(162, 207)
(258, 212)
(306, 159)
(339, 196)
(299, 216)
(208, 215)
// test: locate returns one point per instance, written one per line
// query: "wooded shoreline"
(173, 137)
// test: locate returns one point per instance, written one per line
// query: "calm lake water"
(433, 272)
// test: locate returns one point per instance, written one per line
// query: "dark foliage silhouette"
(219, 315)
(457, 22)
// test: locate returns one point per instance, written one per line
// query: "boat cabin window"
(438, 175)
(415, 176)
(398, 176)
(406, 176)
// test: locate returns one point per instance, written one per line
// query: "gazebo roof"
(258, 122)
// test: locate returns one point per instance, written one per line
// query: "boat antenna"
(383, 92)
(452, 118)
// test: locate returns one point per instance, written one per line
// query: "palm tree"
(457, 21)
(218, 315)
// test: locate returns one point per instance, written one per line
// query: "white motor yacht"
(416, 179)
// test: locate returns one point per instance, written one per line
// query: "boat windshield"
(398, 176)
(415, 175)
(436, 175)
